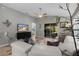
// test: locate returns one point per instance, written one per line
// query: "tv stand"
(24, 35)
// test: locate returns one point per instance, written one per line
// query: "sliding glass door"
(50, 30)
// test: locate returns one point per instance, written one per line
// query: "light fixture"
(40, 14)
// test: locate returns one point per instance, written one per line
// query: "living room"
(39, 26)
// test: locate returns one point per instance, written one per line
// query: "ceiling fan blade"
(60, 7)
(44, 14)
(35, 13)
(40, 14)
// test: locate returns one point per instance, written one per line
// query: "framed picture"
(65, 25)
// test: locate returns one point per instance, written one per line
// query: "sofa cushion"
(44, 50)
(68, 45)
(22, 46)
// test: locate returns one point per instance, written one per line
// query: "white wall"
(50, 19)
(15, 17)
(40, 24)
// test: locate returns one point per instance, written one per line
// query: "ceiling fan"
(41, 14)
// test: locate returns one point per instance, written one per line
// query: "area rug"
(5, 50)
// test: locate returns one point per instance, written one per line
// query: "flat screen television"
(22, 27)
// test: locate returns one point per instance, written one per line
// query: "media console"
(24, 35)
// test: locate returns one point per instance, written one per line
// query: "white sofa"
(68, 45)
(20, 48)
(44, 50)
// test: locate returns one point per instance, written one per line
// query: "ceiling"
(52, 9)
